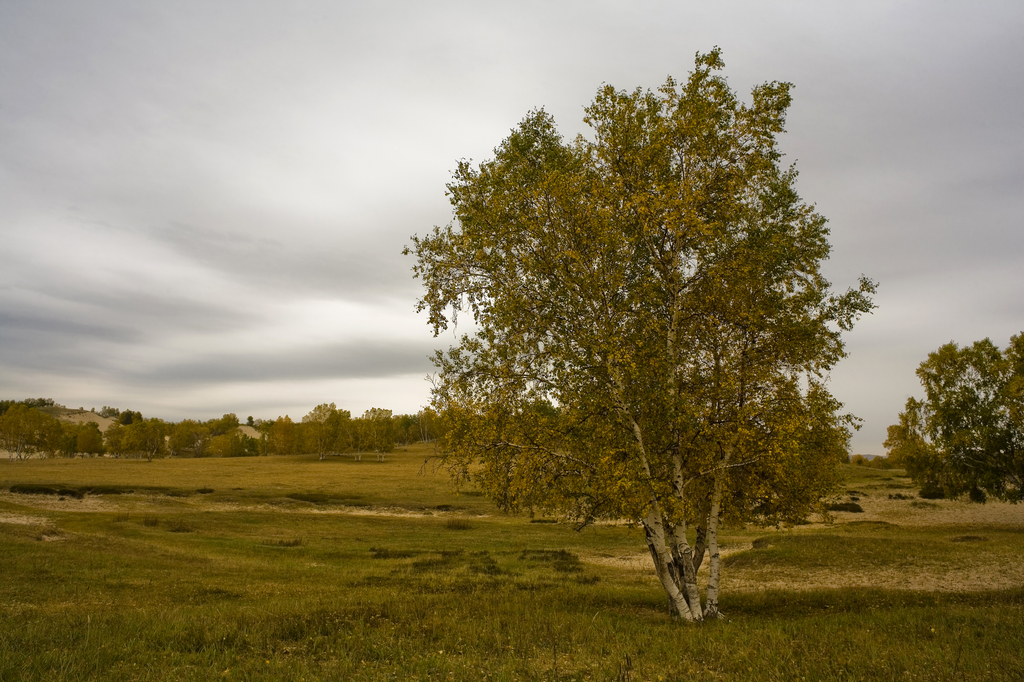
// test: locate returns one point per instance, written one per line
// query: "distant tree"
(89, 440)
(406, 430)
(189, 436)
(20, 430)
(233, 444)
(114, 436)
(264, 426)
(50, 435)
(377, 431)
(109, 412)
(127, 417)
(69, 439)
(249, 421)
(283, 436)
(225, 424)
(429, 425)
(327, 429)
(145, 438)
(967, 435)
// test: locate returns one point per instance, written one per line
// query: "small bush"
(846, 507)
(457, 524)
(179, 526)
(561, 560)
(34, 489)
(285, 542)
(385, 553)
(109, 490)
(204, 491)
(900, 496)
(932, 491)
(313, 498)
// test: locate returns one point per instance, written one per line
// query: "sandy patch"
(882, 504)
(642, 561)
(990, 575)
(80, 417)
(156, 503)
(247, 430)
(23, 519)
(89, 503)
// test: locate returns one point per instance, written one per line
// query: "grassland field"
(290, 568)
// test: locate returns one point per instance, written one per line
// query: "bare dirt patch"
(23, 519)
(879, 507)
(88, 503)
(982, 576)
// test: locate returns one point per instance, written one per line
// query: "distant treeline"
(30, 427)
(873, 462)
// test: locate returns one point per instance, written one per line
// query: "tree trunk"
(715, 560)
(655, 531)
(686, 572)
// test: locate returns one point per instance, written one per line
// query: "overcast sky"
(203, 204)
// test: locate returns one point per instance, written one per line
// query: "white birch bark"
(655, 530)
(714, 559)
(682, 555)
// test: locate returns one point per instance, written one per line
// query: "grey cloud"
(244, 157)
(332, 265)
(353, 360)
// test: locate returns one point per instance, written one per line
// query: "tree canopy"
(652, 323)
(967, 435)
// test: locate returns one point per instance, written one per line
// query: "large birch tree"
(652, 325)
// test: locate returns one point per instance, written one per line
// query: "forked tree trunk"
(686, 571)
(654, 528)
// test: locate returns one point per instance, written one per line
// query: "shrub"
(846, 507)
(932, 491)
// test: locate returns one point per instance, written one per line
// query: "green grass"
(269, 577)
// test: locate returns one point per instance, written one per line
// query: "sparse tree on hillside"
(653, 323)
(129, 417)
(225, 424)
